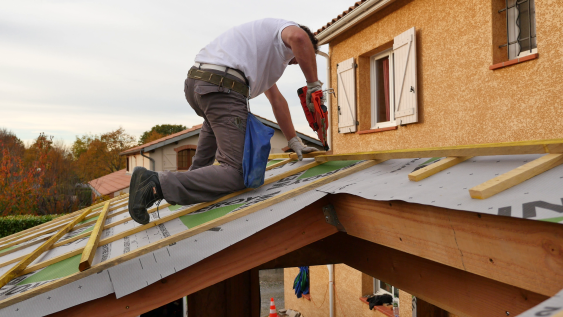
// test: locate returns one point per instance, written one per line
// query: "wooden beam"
(90, 248)
(519, 252)
(300, 229)
(17, 269)
(516, 176)
(454, 290)
(279, 164)
(436, 167)
(293, 156)
(509, 148)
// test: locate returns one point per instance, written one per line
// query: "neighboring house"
(111, 185)
(174, 153)
(416, 195)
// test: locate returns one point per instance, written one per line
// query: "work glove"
(297, 145)
(311, 88)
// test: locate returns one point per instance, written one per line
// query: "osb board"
(461, 101)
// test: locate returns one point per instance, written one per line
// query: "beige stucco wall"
(348, 290)
(460, 100)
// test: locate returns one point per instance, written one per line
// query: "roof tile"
(340, 16)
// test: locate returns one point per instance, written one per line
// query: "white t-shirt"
(255, 48)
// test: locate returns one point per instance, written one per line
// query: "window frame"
(510, 26)
(373, 89)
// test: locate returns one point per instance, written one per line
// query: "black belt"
(219, 80)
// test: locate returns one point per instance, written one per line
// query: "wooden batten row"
(55, 228)
(293, 156)
(185, 234)
(151, 224)
(278, 164)
(54, 222)
(17, 269)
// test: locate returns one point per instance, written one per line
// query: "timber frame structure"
(518, 260)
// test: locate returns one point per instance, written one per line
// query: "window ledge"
(306, 296)
(377, 130)
(514, 61)
(386, 310)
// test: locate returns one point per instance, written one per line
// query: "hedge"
(12, 224)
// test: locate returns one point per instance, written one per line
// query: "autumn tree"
(98, 155)
(159, 131)
(21, 184)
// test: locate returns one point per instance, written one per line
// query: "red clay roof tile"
(111, 183)
(340, 16)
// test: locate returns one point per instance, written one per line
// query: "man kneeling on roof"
(240, 64)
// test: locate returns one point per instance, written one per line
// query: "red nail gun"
(318, 121)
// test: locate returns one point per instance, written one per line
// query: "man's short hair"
(311, 37)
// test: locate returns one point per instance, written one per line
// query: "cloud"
(72, 67)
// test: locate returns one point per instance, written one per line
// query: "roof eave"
(352, 18)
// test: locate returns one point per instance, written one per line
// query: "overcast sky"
(73, 67)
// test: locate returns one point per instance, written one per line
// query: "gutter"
(151, 159)
(351, 19)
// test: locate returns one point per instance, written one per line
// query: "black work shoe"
(144, 191)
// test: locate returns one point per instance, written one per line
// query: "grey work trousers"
(221, 137)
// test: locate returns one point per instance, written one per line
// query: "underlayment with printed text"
(540, 198)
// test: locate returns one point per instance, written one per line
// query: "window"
(393, 79)
(128, 168)
(520, 27)
(381, 88)
(184, 158)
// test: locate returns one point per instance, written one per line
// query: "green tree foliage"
(160, 130)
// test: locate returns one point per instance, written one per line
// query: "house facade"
(415, 74)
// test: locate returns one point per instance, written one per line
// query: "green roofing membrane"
(273, 162)
(8, 249)
(175, 207)
(557, 219)
(88, 220)
(193, 220)
(56, 270)
(325, 168)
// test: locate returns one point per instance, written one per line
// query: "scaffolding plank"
(516, 176)
(436, 167)
(508, 148)
(92, 245)
(17, 269)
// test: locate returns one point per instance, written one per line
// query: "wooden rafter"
(436, 167)
(508, 148)
(188, 233)
(516, 176)
(278, 164)
(90, 248)
(17, 269)
(293, 156)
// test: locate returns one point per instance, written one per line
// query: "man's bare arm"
(281, 111)
(300, 44)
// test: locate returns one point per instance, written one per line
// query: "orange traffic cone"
(273, 309)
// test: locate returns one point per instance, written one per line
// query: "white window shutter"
(406, 92)
(346, 73)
